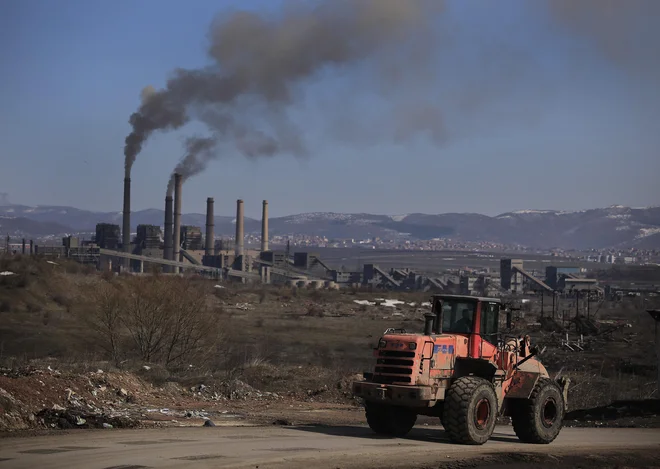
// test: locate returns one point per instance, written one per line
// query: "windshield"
(457, 316)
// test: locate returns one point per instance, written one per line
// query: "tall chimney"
(264, 227)
(209, 227)
(167, 251)
(239, 228)
(126, 228)
(176, 236)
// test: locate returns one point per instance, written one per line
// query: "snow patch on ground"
(364, 302)
(389, 303)
(7, 273)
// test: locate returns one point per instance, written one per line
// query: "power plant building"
(191, 238)
(107, 236)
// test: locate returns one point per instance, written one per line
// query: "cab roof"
(470, 298)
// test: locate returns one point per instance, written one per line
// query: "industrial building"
(107, 236)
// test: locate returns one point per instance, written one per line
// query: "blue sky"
(535, 116)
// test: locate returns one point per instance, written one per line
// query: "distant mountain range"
(615, 226)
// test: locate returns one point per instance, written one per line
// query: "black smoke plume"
(257, 61)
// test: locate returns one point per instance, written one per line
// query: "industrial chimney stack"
(208, 251)
(176, 235)
(167, 251)
(264, 227)
(239, 228)
(126, 228)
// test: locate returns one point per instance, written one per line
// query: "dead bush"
(106, 318)
(315, 311)
(5, 306)
(61, 300)
(316, 296)
(32, 306)
(156, 320)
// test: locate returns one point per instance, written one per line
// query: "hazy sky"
(532, 106)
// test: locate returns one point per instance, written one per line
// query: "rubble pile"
(59, 417)
(32, 397)
(586, 326)
(550, 325)
(631, 413)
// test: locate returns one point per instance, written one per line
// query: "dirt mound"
(618, 409)
(641, 413)
(32, 397)
(550, 325)
(76, 418)
(302, 382)
(586, 326)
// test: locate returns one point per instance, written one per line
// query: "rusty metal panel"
(428, 351)
(522, 384)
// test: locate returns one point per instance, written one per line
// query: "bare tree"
(166, 320)
(147, 315)
(107, 320)
(192, 330)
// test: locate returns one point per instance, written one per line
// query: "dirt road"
(320, 447)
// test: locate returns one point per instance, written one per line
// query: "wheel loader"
(463, 370)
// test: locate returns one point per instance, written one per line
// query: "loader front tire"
(470, 410)
(389, 420)
(540, 418)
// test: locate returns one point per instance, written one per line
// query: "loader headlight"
(382, 343)
(412, 345)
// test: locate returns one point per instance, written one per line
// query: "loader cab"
(475, 317)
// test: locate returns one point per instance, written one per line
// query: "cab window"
(489, 321)
(457, 316)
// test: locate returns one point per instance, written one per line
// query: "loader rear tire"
(470, 410)
(389, 420)
(540, 418)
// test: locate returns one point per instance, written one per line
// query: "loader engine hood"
(412, 358)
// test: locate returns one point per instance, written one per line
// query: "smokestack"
(126, 229)
(167, 251)
(176, 236)
(209, 227)
(264, 227)
(239, 228)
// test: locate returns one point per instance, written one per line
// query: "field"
(436, 261)
(260, 352)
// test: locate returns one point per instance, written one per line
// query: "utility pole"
(655, 314)
(287, 255)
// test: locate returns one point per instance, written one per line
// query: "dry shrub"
(155, 319)
(315, 311)
(262, 295)
(6, 306)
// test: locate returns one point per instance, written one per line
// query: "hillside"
(615, 226)
(21, 226)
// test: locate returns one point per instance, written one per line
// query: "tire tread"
(524, 415)
(456, 408)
